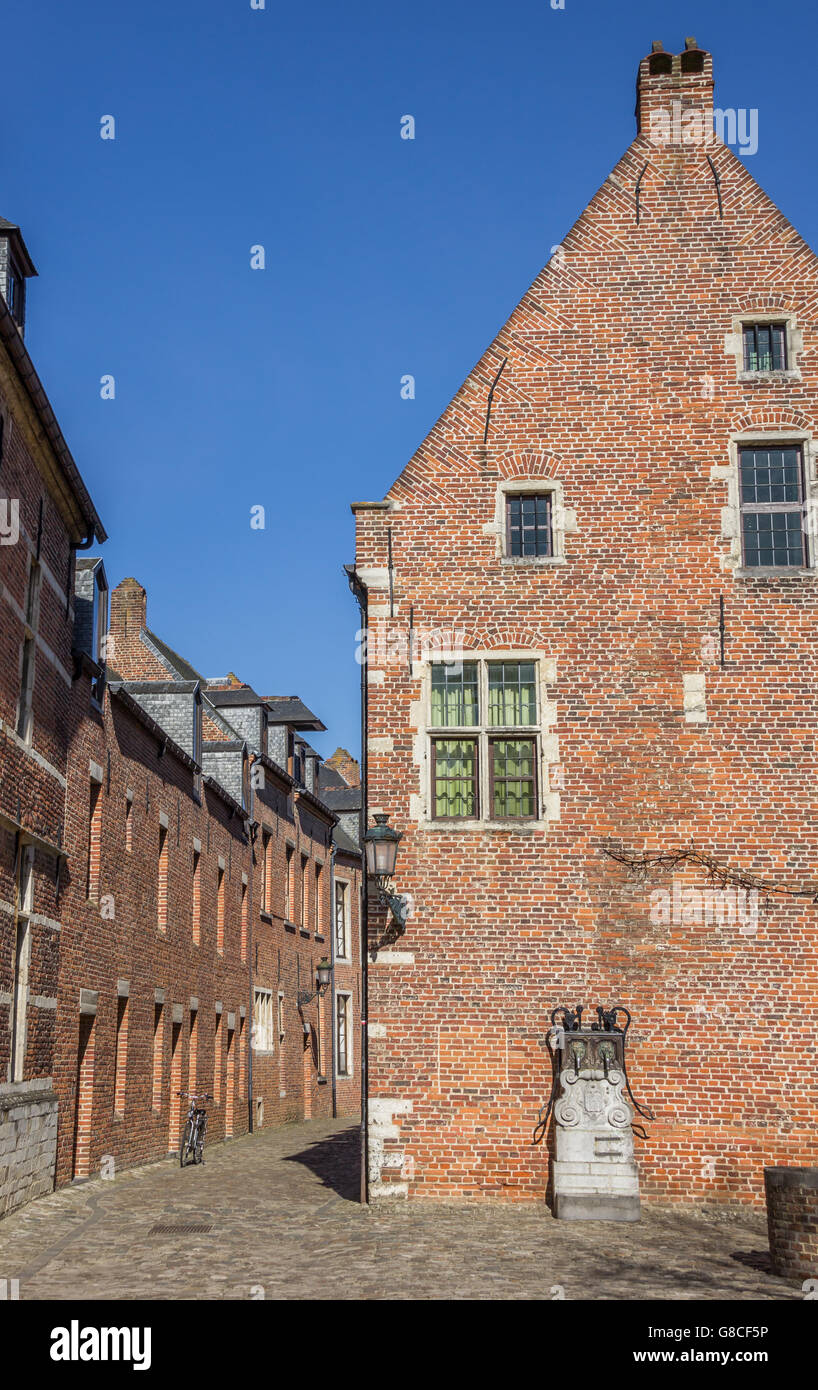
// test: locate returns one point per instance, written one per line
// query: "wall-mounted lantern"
(323, 975)
(381, 842)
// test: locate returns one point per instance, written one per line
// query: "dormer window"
(765, 347)
(15, 293)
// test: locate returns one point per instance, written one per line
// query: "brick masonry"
(621, 393)
(792, 1219)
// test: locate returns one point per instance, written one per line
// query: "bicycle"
(195, 1128)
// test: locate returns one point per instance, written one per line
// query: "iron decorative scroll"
(572, 1023)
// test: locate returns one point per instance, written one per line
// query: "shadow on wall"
(336, 1161)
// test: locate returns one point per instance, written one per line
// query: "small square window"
(528, 524)
(765, 347)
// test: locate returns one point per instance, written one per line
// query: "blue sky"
(281, 127)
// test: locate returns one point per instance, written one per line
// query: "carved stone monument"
(595, 1177)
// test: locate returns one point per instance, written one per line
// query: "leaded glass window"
(512, 694)
(455, 778)
(455, 700)
(772, 507)
(484, 741)
(765, 347)
(513, 778)
(528, 524)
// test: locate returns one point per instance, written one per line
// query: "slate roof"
(344, 842)
(289, 709)
(244, 695)
(184, 668)
(341, 798)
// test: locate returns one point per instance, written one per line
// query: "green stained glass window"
(455, 777)
(512, 694)
(513, 779)
(455, 702)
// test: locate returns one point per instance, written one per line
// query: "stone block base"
(28, 1141)
(596, 1206)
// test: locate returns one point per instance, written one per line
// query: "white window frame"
(263, 1036)
(346, 889)
(344, 995)
(421, 806)
(28, 656)
(22, 963)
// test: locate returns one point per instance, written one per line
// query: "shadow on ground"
(336, 1160)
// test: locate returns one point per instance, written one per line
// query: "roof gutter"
(12, 338)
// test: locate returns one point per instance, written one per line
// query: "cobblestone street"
(283, 1217)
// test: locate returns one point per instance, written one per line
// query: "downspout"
(333, 1025)
(359, 590)
(251, 825)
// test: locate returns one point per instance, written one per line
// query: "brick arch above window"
(516, 495)
(753, 370)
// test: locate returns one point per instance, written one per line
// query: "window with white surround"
(771, 516)
(772, 490)
(29, 657)
(343, 1034)
(484, 741)
(766, 345)
(530, 521)
(263, 1020)
(22, 958)
(341, 919)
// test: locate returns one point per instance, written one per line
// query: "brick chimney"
(129, 609)
(346, 766)
(674, 96)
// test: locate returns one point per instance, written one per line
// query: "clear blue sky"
(384, 256)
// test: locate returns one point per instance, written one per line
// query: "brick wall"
(139, 966)
(32, 787)
(622, 397)
(792, 1219)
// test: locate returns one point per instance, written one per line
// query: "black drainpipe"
(332, 1008)
(360, 593)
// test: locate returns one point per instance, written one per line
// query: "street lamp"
(323, 975)
(381, 843)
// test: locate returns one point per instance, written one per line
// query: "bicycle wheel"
(186, 1144)
(198, 1147)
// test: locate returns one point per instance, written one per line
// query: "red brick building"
(46, 516)
(209, 879)
(613, 515)
(171, 870)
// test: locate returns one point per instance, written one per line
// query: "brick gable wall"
(620, 386)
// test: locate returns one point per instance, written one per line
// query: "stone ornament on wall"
(595, 1177)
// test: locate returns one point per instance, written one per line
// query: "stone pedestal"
(595, 1177)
